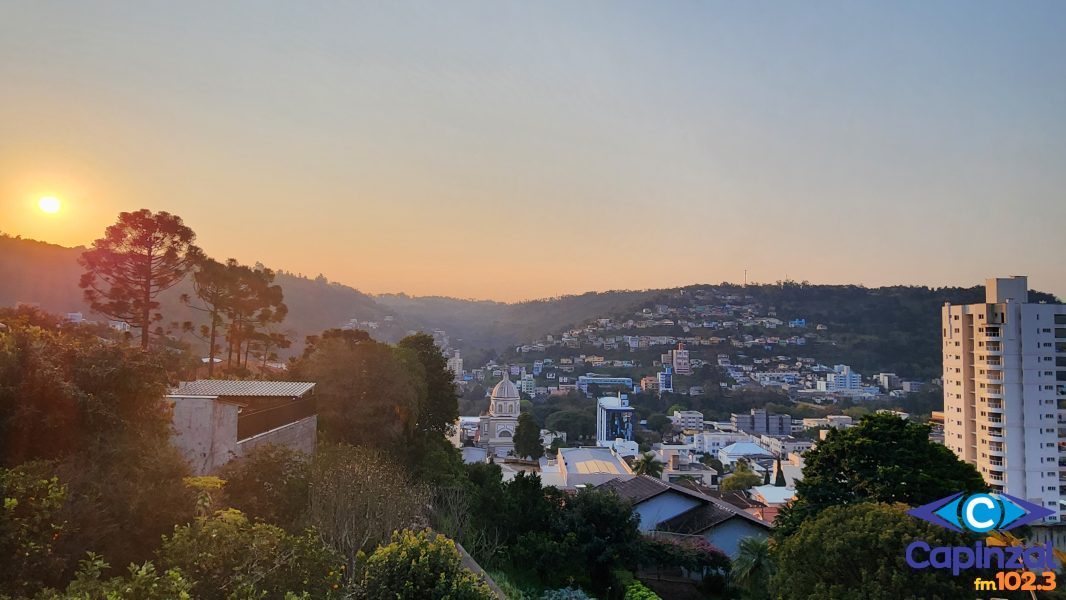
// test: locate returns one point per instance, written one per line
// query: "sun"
(49, 204)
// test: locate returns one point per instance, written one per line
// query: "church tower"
(499, 424)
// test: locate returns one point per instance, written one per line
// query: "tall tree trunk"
(211, 349)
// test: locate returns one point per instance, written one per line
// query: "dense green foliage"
(742, 478)
(228, 556)
(30, 522)
(883, 459)
(527, 438)
(421, 565)
(366, 392)
(144, 582)
(270, 484)
(638, 591)
(857, 551)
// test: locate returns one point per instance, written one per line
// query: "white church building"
(497, 427)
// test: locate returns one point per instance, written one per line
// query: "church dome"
(505, 390)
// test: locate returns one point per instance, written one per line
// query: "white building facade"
(1004, 373)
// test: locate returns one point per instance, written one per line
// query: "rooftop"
(222, 388)
(592, 460)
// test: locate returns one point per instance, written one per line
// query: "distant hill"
(484, 324)
(47, 275)
(887, 328)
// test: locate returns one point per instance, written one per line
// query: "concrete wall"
(301, 435)
(205, 431)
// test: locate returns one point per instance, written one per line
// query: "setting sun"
(49, 204)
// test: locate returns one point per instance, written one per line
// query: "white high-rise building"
(455, 363)
(1004, 372)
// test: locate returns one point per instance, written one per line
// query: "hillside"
(889, 328)
(47, 275)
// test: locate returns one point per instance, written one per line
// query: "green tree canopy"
(857, 552)
(742, 478)
(441, 406)
(527, 438)
(368, 393)
(648, 465)
(882, 459)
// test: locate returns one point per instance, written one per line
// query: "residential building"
(749, 451)
(527, 385)
(842, 378)
(604, 382)
(687, 420)
(455, 364)
(666, 380)
(650, 384)
(785, 445)
(760, 422)
(710, 442)
(1004, 375)
(888, 381)
(672, 510)
(215, 421)
(678, 360)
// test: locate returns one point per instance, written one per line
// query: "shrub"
(638, 591)
(421, 565)
(227, 555)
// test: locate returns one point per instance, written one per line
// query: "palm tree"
(753, 568)
(647, 465)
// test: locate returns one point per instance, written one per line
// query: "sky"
(515, 150)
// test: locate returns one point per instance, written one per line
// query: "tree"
(648, 465)
(441, 407)
(228, 556)
(30, 523)
(359, 497)
(421, 565)
(270, 484)
(252, 302)
(753, 568)
(779, 479)
(742, 478)
(141, 255)
(366, 393)
(606, 533)
(527, 438)
(858, 551)
(883, 459)
(213, 284)
(63, 388)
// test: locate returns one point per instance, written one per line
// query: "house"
(749, 451)
(215, 421)
(675, 509)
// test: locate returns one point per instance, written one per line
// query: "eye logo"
(980, 513)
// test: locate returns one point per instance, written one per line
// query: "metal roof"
(222, 388)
